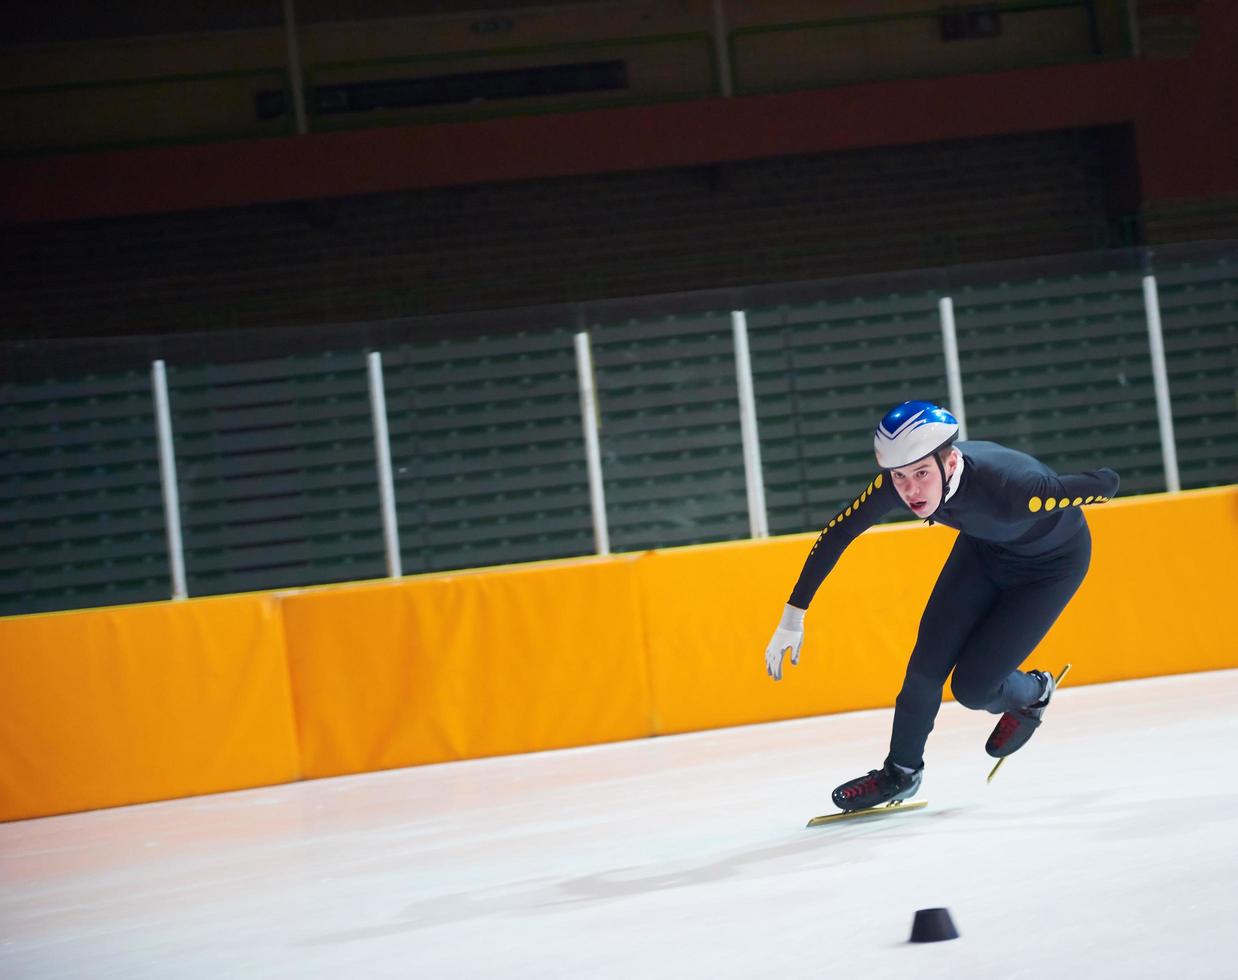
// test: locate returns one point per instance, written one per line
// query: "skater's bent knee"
(971, 692)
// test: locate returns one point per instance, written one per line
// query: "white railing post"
(593, 450)
(954, 373)
(758, 518)
(1160, 382)
(382, 453)
(167, 472)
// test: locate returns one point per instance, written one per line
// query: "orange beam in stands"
(1181, 110)
(603, 140)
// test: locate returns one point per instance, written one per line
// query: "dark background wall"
(496, 245)
(439, 217)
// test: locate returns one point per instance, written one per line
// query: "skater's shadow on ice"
(812, 849)
(818, 848)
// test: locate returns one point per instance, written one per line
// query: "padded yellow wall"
(1156, 601)
(711, 611)
(105, 707)
(453, 667)
(1160, 595)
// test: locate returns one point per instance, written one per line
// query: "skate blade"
(873, 811)
(1056, 683)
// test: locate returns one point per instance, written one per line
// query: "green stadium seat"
(81, 494)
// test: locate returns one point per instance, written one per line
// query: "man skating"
(1022, 551)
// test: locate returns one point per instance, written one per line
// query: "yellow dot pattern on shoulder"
(1033, 504)
(1050, 503)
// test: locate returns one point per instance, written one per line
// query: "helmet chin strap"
(942, 500)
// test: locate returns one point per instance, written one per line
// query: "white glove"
(790, 633)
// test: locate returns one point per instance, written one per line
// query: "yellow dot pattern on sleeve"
(855, 505)
(1035, 504)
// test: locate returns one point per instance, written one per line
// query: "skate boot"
(880, 786)
(1016, 727)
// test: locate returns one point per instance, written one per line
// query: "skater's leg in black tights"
(986, 675)
(983, 629)
(960, 600)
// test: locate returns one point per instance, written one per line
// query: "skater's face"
(919, 485)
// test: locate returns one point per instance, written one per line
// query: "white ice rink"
(1107, 848)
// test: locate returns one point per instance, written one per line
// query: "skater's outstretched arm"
(864, 510)
(1044, 495)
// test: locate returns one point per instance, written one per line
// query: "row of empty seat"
(276, 463)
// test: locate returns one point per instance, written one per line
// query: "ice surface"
(1107, 848)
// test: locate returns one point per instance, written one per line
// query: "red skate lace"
(1005, 728)
(866, 785)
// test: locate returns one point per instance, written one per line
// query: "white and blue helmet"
(911, 431)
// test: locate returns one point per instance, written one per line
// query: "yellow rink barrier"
(712, 609)
(481, 663)
(104, 707)
(110, 706)
(1157, 600)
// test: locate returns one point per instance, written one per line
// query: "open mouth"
(917, 505)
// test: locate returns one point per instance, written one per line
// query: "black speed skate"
(889, 784)
(1014, 728)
